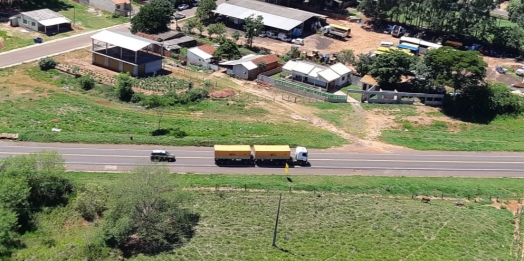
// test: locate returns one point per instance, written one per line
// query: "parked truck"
(278, 155)
(336, 31)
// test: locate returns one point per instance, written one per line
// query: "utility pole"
(274, 244)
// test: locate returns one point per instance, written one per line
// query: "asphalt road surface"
(107, 157)
(51, 48)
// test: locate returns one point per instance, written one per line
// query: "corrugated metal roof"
(246, 58)
(303, 68)
(42, 14)
(55, 21)
(271, 148)
(314, 72)
(249, 65)
(271, 20)
(340, 69)
(278, 10)
(329, 75)
(232, 148)
(124, 40)
(200, 53)
(289, 66)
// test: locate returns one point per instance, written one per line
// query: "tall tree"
(124, 87)
(346, 56)
(218, 29)
(204, 9)
(389, 68)
(252, 27)
(456, 68)
(151, 19)
(227, 50)
(147, 216)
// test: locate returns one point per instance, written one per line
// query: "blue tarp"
(412, 48)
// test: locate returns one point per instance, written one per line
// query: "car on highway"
(179, 16)
(162, 155)
(183, 7)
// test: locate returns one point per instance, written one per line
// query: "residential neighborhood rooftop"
(43, 14)
(209, 49)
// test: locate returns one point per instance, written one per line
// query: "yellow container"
(266, 152)
(232, 152)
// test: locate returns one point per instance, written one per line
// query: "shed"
(203, 56)
(248, 68)
(43, 20)
(368, 82)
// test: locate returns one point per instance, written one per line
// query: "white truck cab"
(301, 156)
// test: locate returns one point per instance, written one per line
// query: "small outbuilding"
(170, 41)
(43, 20)
(325, 77)
(203, 56)
(250, 66)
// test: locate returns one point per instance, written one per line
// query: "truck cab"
(301, 156)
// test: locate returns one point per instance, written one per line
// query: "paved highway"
(105, 157)
(38, 51)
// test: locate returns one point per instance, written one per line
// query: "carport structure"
(123, 52)
(275, 16)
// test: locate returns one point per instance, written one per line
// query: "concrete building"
(123, 7)
(43, 20)
(202, 56)
(124, 52)
(247, 67)
(325, 77)
(282, 19)
(170, 41)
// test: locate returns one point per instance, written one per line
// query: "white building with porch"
(43, 20)
(324, 77)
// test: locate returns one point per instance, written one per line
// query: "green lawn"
(342, 115)
(76, 12)
(237, 225)
(89, 118)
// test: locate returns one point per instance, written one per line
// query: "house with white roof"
(251, 65)
(203, 56)
(326, 77)
(43, 20)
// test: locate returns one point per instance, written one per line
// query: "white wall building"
(336, 75)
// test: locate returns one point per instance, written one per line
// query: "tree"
(91, 201)
(124, 87)
(200, 27)
(390, 67)
(363, 63)
(456, 68)
(346, 56)
(151, 19)
(218, 29)
(227, 50)
(261, 66)
(166, 5)
(190, 24)
(204, 9)
(252, 27)
(157, 103)
(147, 216)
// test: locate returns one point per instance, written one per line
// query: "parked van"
(386, 44)
(283, 37)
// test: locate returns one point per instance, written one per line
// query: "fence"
(372, 96)
(326, 96)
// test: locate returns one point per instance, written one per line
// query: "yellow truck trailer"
(226, 154)
(260, 154)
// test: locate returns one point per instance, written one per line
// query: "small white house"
(325, 77)
(43, 20)
(202, 56)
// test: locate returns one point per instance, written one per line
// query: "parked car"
(162, 155)
(520, 71)
(298, 41)
(180, 16)
(500, 69)
(271, 34)
(196, 3)
(283, 37)
(262, 34)
(183, 7)
(220, 17)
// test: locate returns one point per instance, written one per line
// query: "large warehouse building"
(281, 18)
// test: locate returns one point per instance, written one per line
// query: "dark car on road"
(162, 155)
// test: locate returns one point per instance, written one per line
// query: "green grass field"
(88, 118)
(77, 13)
(237, 225)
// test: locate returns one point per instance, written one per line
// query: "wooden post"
(274, 244)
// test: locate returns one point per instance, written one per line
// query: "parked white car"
(271, 34)
(298, 41)
(262, 34)
(183, 7)
(283, 37)
(520, 71)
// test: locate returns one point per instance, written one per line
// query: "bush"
(49, 191)
(47, 63)
(175, 132)
(115, 15)
(138, 97)
(86, 83)
(91, 201)
(124, 87)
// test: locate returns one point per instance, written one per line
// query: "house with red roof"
(250, 66)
